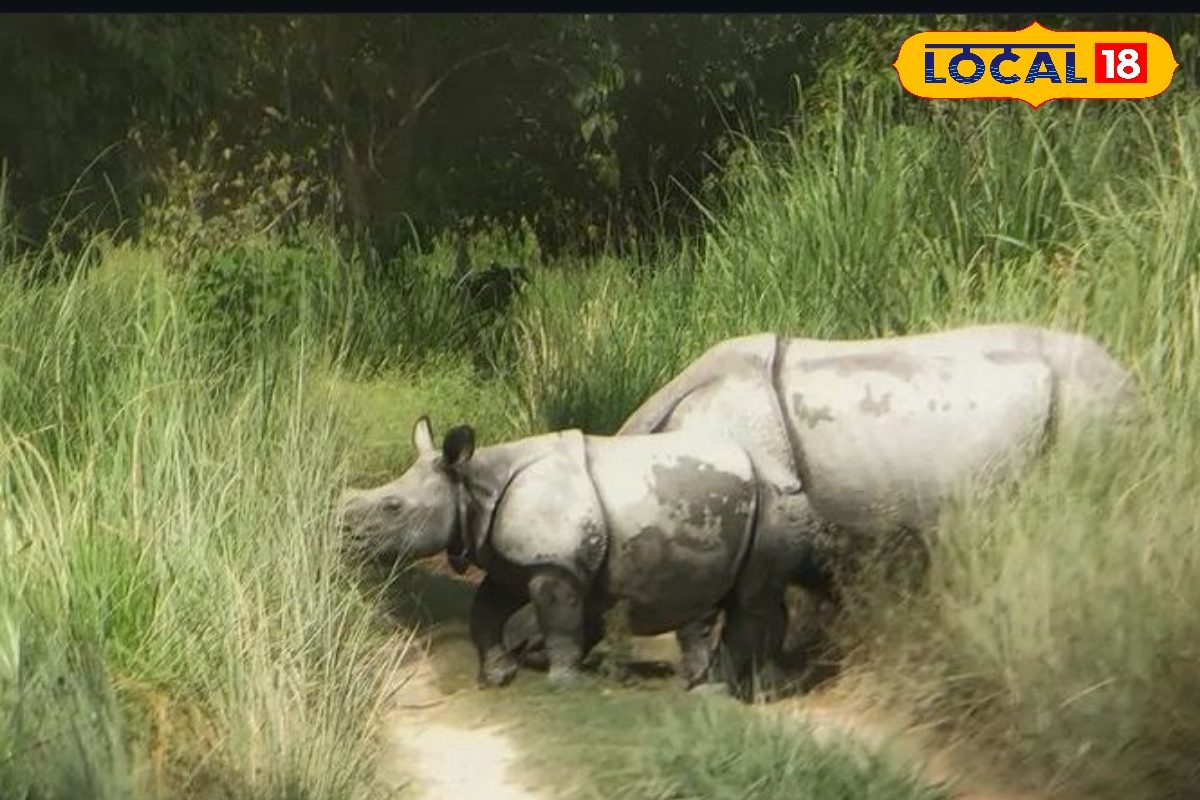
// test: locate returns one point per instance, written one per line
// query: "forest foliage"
(597, 128)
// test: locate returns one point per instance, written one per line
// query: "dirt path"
(446, 759)
(437, 743)
(434, 751)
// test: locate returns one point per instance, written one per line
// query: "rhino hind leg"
(558, 602)
(751, 638)
(494, 603)
(696, 648)
(523, 638)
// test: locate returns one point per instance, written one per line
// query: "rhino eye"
(392, 504)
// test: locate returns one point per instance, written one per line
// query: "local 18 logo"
(1035, 65)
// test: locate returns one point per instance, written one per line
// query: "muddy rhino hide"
(509, 520)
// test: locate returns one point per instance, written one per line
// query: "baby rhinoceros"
(574, 524)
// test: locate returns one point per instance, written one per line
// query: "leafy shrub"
(221, 195)
(262, 291)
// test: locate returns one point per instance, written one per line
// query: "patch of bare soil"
(435, 757)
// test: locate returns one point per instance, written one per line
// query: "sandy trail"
(459, 764)
(447, 760)
(437, 755)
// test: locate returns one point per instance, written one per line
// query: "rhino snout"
(367, 525)
(356, 522)
(347, 509)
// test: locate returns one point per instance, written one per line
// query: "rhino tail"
(714, 364)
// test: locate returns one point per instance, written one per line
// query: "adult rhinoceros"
(854, 440)
(857, 439)
(573, 523)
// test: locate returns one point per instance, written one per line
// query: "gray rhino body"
(856, 440)
(877, 433)
(572, 524)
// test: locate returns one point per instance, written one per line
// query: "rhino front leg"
(523, 636)
(696, 648)
(558, 601)
(491, 608)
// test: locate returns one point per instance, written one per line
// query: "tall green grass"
(661, 744)
(1059, 624)
(173, 617)
(858, 224)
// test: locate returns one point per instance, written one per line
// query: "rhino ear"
(422, 436)
(458, 446)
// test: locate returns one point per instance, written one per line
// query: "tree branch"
(433, 88)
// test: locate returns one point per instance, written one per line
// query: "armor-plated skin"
(860, 438)
(574, 523)
(679, 514)
(884, 440)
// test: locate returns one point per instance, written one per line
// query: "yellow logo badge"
(1035, 65)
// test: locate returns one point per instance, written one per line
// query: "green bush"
(252, 294)
(417, 305)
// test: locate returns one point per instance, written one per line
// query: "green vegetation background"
(207, 328)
